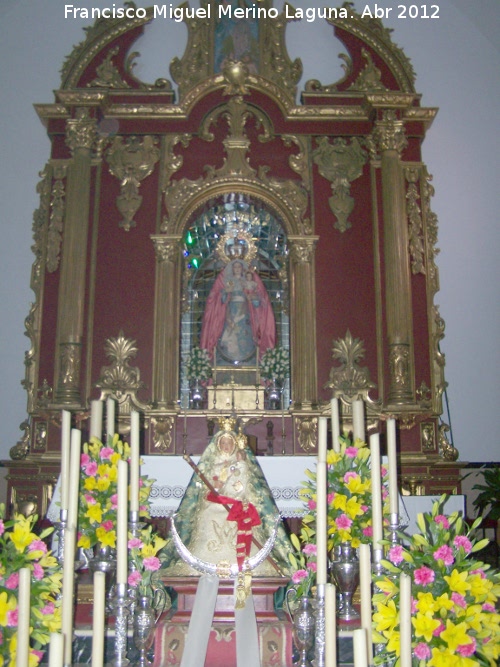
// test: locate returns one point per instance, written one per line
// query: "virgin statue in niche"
(238, 318)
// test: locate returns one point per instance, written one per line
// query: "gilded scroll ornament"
(307, 433)
(119, 377)
(166, 248)
(399, 366)
(415, 231)
(299, 162)
(424, 395)
(108, 75)
(21, 449)
(40, 440)
(172, 162)
(197, 62)
(427, 437)
(54, 235)
(350, 378)
(162, 433)
(302, 248)
(340, 163)
(370, 76)
(389, 133)
(131, 161)
(81, 131)
(446, 449)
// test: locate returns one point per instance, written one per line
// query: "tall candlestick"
(393, 468)
(321, 523)
(331, 626)
(334, 407)
(376, 492)
(110, 417)
(322, 429)
(365, 585)
(122, 524)
(95, 419)
(405, 619)
(65, 447)
(134, 461)
(70, 546)
(98, 619)
(358, 420)
(23, 618)
(56, 649)
(359, 645)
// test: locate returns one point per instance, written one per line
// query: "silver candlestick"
(319, 646)
(61, 532)
(121, 611)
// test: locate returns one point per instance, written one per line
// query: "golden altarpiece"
(150, 191)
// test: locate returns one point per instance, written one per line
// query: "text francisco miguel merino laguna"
(221, 10)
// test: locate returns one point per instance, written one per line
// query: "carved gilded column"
(80, 136)
(390, 136)
(167, 321)
(303, 318)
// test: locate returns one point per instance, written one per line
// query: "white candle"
(358, 420)
(70, 545)
(321, 524)
(330, 626)
(393, 468)
(359, 645)
(134, 461)
(122, 524)
(56, 649)
(23, 618)
(95, 419)
(322, 430)
(110, 417)
(65, 445)
(376, 491)
(405, 619)
(334, 407)
(98, 619)
(365, 585)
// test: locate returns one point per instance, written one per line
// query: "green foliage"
(490, 494)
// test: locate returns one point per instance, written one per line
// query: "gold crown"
(227, 423)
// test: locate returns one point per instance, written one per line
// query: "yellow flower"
(114, 458)
(442, 658)
(106, 537)
(94, 513)
(353, 508)
(386, 617)
(426, 603)
(159, 543)
(363, 453)
(355, 542)
(6, 604)
(424, 625)
(387, 586)
(357, 486)
(443, 602)
(340, 502)
(394, 644)
(84, 542)
(333, 457)
(90, 483)
(148, 550)
(479, 587)
(21, 536)
(455, 635)
(457, 582)
(103, 483)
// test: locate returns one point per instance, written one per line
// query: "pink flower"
(467, 649)
(152, 563)
(385, 493)
(489, 607)
(383, 471)
(84, 459)
(414, 605)
(310, 550)
(2, 528)
(38, 571)
(480, 572)
(38, 545)
(107, 525)
(330, 497)
(459, 600)
(350, 475)
(135, 543)
(396, 554)
(422, 651)
(368, 531)
(311, 504)
(424, 575)
(351, 452)
(89, 498)
(91, 469)
(439, 629)
(298, 576)
(106, 453)
(364, 508)
(313, 566)
(463, 542)
(12, 617)
(343, 522)
(134, 579)
(114, 501)
(49, 608)
(37, 654)
(444, 553)
(13, 581)
(442, 520)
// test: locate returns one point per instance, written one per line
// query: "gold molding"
(415, 228)
(119, 378)
(306, 429)
(81, 131)
(162, 434)
(54, 234)
(349, 379)
(108, 75)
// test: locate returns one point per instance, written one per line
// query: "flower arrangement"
(275, 364)
(454, 619)
(349, 510)
(144, 559)
(198, 365)
(303, 561)
(98, 491)
(20, 547)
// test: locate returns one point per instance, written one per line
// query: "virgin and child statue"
(238, 318)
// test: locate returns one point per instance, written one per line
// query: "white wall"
(457, 66)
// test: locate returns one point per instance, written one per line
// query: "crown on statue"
(227, 423)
